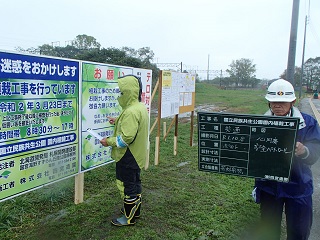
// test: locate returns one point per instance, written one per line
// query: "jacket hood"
(129, 87)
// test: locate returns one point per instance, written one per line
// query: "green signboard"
(100, 91)
(99, 101)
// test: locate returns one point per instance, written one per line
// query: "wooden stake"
(79, 184)
(156, 153)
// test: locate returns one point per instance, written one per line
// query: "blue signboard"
(39, 124)
(38, 68)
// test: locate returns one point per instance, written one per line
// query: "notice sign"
(177, 93)
(38, 121)
(247, 145)
(100, 92)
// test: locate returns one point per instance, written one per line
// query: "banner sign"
(47, 105)
(99, 101)
(247, 145)
(38, 122)
(38, 68)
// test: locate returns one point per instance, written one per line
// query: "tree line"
(241, 72)
(310, 77)
(87, 48)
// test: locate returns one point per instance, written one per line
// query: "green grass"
(249, 101)
(179, 202)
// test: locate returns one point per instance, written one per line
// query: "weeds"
(178, 202)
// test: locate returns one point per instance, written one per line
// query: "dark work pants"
(128, 172)
(298, 216)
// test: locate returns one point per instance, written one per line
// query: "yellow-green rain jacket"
(131, 127)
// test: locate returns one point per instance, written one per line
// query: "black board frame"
(256, 146)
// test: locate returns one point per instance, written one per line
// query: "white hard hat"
(280, 91)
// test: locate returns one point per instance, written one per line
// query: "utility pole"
(208, 67)
(304, 46)
(293, 42)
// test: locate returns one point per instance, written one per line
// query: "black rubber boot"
(130, 207)
(137, 214)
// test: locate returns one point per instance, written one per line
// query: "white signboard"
(177, 91)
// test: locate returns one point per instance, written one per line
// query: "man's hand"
(111, 120)
(104, 142)
(300, 149)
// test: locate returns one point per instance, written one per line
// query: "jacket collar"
(293, 113)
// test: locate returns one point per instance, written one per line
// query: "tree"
(297, 76)
(64, 52)
(242, 72)
(85, 42)
(31, 50)
(254, 82)
(131, 52)
(145, 54)
(47, 49)
(227, 81)
(311, 73)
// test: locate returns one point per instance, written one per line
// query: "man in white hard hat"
(296, 195)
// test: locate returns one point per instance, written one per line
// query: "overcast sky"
(186, 31)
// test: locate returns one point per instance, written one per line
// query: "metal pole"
(208, 67)
(293, 42)
(304, 46)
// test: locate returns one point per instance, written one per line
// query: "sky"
(202, 34)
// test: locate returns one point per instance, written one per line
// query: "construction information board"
(177, 93)
(38, 121)
(247, 145)
(46, 107)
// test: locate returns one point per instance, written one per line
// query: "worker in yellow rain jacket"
(129, 147)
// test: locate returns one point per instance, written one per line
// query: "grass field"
(179, 202)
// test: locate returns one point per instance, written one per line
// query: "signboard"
(247, 145)
(187, 92)
(38, 122)
(177, 93)
(46, 105)
(145, 76)
(99, 101)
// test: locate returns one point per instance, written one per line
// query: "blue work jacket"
(300, 183)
